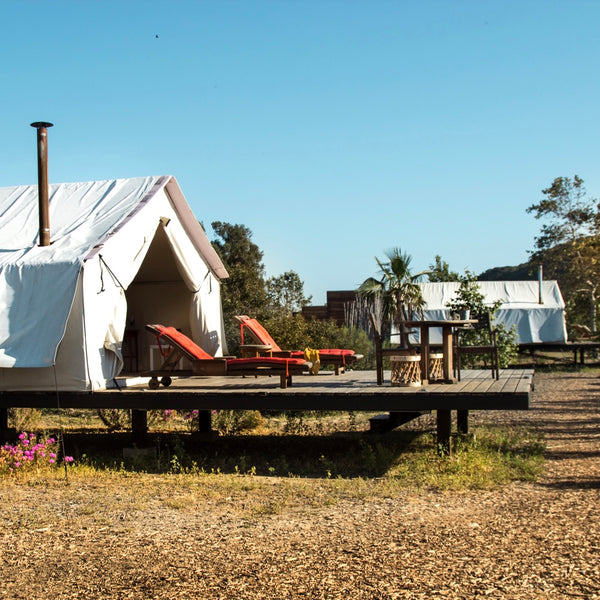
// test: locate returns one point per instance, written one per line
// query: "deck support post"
(462, 421)
(444, 429)
(139, 424)
(3, 423)
(204, 421)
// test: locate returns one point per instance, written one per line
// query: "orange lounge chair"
(265, 343)
(178, 345)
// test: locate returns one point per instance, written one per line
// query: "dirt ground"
(526, 540)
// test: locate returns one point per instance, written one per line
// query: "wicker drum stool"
(406, 370)
(436, 367)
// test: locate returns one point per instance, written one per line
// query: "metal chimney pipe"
(42, 156)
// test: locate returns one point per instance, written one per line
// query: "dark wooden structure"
(577, 348)
(355, 391)
(334, 309)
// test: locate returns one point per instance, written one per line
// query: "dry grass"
(117, 533)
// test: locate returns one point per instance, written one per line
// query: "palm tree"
(397, 288)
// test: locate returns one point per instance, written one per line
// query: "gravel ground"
(526, 540)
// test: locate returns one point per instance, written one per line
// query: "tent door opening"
(158, 294)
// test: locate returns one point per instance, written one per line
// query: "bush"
(115, 418)
(297, 333)
(24, 418)
(469, 297)
(29, 454)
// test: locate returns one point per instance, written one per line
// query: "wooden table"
(447, 326)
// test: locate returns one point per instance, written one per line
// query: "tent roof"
(83, 216)
(38, 284)
(514, 294)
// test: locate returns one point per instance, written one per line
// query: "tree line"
(568, 246)
(276, 301)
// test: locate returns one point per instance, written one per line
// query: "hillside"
(523, 272)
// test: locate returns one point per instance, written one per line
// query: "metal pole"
(44, 203)
(540, 280)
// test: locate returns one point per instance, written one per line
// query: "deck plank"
(354, 390)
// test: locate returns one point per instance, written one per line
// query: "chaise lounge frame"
(203, 364)
(265, 345)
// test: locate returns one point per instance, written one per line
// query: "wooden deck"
(577, 348)
(352, 391)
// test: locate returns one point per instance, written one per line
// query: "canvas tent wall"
(123, 253)
(535, 322)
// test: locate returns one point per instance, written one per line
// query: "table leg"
(447, 352)
(425, 355)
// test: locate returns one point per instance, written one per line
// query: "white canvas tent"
(124, 253)
(535, 322)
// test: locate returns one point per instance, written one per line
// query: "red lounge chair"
(265, 343)
(179, 345)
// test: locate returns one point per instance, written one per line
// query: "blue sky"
(333, 130)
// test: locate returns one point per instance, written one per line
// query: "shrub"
(227, 421)
(470, 297)
(294, 332)
(29, 454)
(115, 418)
(24, 418)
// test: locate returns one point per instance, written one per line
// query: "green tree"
(294, 332)
(398, 290)
(469, 297)
(569, 245)
(244, 291)
(285, 293)
(440, 271)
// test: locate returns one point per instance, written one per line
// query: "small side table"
(256, 350)
(129, 349)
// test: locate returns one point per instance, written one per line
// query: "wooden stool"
(406, 370)
(436, 367)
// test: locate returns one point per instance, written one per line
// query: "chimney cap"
(39, 124)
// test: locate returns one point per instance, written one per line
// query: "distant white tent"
(534, 321)
(124, 253)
